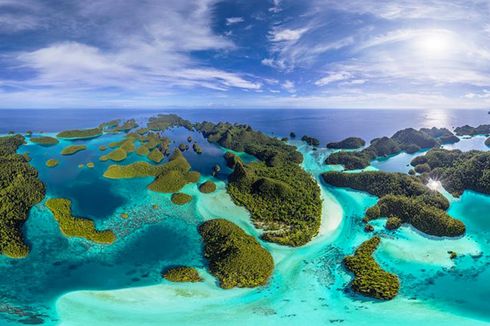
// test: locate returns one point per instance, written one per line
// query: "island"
(21, 189)
(44, 140)
(348, 143)
(180, 198)
(70, 150)
(77, 226)
(282, 198)
(369, 278)
(80, 134)
(467, 130)
(457, 170)
(235, 258)
(197, 149)
(170, 177)
(156, 155)
(163, 122)
(182, 274)
(408, 140)
(207, 187)
(311, 141)
(487, 142)
(402, 196)
(51, 163)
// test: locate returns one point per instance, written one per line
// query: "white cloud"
(333, 77)
(280, 35)
(234, 20)
(289, 86)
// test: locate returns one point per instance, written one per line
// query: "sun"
(434, 44)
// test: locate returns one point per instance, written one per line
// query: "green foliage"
(197, 148)
(44, 140)
(472, 131)
(207, 187)
(126, 126)
(369, 278)
(231, 159)
(70, 150)
(169, 177)
(348, 143)
(90, 165)
(243, 138)
(143, 150)
(76, 226)
(20, 189)
(284, 201)
(117, 155)
(422, 168)
(457, 170)
(393, 222)
(182, 274)
(51, 163)
(163, 122)
(80, 134)
(155, 155)
(235, 258)
(181, 198)
(310, 141)
(102, 148)
(487, 142)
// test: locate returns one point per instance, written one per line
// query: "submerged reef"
(182, 274)
(456, 170)
(44, 140)
(348, 143)
(77, 226)
(402, 196)
(235, 258)
(369, 278)
(169, 177)
(408, 140)
(180, 198)
(70, 150)
(20, 190)
(80, 133)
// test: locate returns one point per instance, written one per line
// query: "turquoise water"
(75, 282)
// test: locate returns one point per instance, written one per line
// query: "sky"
(245, 54)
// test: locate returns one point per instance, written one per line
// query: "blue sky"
(276, 53)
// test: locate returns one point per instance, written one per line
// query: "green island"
(311, 141)
(404, 197)
(163, 122)
(80, 134)
(408, 140)
(348, 143)
(116, 155)
(235, 258)
(487, 142)
(282, 198)
(242, 138)
(126, 126)
(197, 149)
(467, 130)
(182, 274)
(51, 163)
(102, 148)
(169, 177)
(156, 155)
(456, 170)
(207, 187)
(90, 165)
(369, 278)
(20, 190)
(180, 198)
(76, 226)
(70, 150)
(44, 140)
(143, 150)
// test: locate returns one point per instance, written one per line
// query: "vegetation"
(75, 226)
(163, 122)
(181, 198)
(182, 274)
(243, 138)
(472, 131)
(126, 126)
(369, 278)
(216, 169)
(235, 258)
(70, 150)
(487, 142)
(457, 170)
(155, 155)
(292, 135)
(197, 148)
(102, 148)
(189, 139)
(310, 141)
(143, 150)
(408, 140)
(183, 147)
(169, 177)
(51, 163)
(393, 223)
(80, 134)
(403, 196)
(283, 200)
(44, 140)
(348, 143)
(20, 189)
(231, 159)
(207, 187)
(117, 155)
(90, 165)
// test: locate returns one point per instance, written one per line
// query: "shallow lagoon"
(308, 284)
